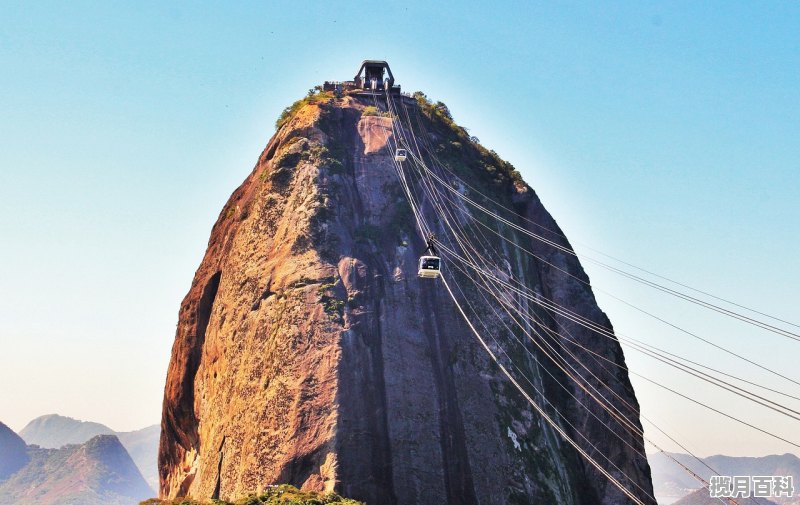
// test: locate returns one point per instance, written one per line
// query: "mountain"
(142, 445)
(54, 431)
(308, 351)
(670, 480)
(98, 472)
(701, 497)
(13, 452)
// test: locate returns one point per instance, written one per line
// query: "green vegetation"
(330, 283)
(285, 163)
(465, 146)
(439, 111)
(333, 306)
(326, 157)
(278, 495)
(288, 159)
(315, 95)
(371, 110)
(281, 178)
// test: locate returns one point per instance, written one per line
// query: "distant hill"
(13, 452)
(701, 497)
(142, 445)
(670, 480)
(54, 431)
(99, 472)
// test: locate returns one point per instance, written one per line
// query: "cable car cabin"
(400, 155)
(430, 267)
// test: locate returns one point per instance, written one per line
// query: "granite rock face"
(309, 352)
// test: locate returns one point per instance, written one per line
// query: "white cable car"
(429, 267)
(400, 155)
(430, 264)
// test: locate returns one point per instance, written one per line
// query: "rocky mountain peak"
(309, 352)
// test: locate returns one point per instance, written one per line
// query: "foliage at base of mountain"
(276, 495)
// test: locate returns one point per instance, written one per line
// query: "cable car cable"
(450, 253)
(664, 289)
(697, 301)
(670, 457)
(538, 408)
(649, 314)
(561, 235)
(556, 426)
(578, 319)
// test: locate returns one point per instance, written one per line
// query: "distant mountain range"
(54, 431)
(97, 472)
(670, 481)
(701, 497)
(72, 462)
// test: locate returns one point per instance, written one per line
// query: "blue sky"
(667, 134)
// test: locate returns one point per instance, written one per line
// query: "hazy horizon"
(18, 429)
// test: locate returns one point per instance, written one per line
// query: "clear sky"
(667, 134)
